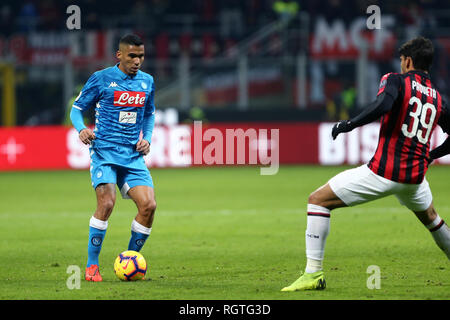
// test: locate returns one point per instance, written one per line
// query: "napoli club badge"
(143, 85)
(96, 241)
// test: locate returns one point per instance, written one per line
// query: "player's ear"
(118, 54)
(409, 63)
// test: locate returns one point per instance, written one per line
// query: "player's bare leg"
(106, 198)
(320, 203)
(144, 198)
(437, 227)
(325, 197)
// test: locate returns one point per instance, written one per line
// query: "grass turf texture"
(219, 233)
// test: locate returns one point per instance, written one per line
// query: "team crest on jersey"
(144, 85)
(383, 83)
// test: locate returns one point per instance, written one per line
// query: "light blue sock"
(97, 231)
(139, 234)
(137, 241)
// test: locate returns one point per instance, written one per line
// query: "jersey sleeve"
(390, 83)
(382, 104)
(90, 93)
(150, 103)
(444, 119)
(444, 123)
(149, 114)
(76, 116)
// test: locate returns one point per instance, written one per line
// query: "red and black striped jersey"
(404, 139)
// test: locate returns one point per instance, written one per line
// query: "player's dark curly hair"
(131, 39)
(420, 50)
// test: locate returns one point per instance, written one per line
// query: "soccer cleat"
(93, 274)
(308, 281)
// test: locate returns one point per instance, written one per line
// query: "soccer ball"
(130, 266)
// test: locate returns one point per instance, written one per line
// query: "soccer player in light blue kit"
(123, 97)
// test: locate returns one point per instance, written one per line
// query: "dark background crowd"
(205, 30)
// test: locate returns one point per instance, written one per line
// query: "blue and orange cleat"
(93, 274)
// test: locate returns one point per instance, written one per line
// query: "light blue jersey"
(124, 106)
(121, 103)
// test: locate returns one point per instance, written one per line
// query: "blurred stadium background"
(295, 65)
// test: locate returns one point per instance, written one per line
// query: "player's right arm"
(87, 98)
(85, 134)
(387, 94)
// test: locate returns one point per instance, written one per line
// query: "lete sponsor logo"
(129, 99)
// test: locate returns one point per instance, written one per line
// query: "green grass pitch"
(219, 234)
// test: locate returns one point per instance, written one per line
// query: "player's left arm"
(387, 94)
(143, 145)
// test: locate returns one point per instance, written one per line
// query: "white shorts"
(360, 185)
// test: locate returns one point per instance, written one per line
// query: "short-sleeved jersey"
(404, 139)
(121, 102)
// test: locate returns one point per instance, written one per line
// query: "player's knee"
(314, 199)
(106, 205)
(148, 207)
(431, 213)
(152, 206)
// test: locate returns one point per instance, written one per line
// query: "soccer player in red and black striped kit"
(410, 107)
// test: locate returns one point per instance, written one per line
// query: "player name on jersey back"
(129, 99)
(428, 91)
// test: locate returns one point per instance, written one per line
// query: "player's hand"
(340, 127)
(143, 146)
(86, 136)
(432, 156)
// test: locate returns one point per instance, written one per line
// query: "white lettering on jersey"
(129, 99)
(423, 89)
